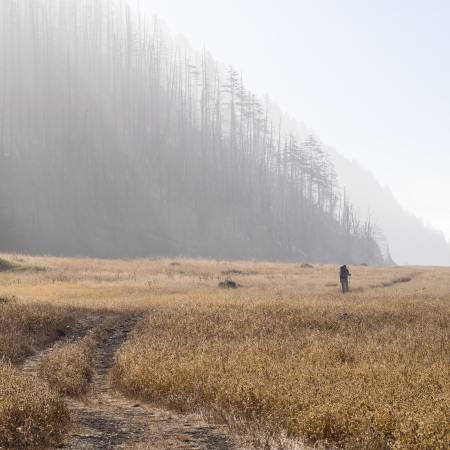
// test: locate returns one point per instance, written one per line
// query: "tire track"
(108, 420)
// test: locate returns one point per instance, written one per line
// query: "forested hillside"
(116, 140)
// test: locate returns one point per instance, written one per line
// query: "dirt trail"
(106, 420)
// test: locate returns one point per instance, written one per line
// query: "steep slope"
(118, 141)
(410, 241)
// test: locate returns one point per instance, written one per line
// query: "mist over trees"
(118, 141)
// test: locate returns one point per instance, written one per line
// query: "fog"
(371, 78)
(411, 241)
(118, 140)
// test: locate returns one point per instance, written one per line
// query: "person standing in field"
(344, 274)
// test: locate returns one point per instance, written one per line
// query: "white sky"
(372, 78)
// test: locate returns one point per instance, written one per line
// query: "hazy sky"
(372, 78)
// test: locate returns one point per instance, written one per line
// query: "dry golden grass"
(286, 352)
(70, 368)
(371, 374)
(25, 328)
(31, 416)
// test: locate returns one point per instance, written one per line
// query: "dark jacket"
(344, 273)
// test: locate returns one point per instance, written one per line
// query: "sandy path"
(105, 419)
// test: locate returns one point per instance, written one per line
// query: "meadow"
(282, 354)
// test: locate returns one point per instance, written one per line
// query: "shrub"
(6, 265)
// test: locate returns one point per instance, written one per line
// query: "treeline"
(117, 141)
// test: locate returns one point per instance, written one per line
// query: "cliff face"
(409, 240)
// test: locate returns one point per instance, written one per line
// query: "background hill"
(409, 239)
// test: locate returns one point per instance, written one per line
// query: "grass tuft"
(8, 266)
(228, 284)
(31, 416)
(70, 368)
(402, 280)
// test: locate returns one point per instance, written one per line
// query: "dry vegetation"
(31, 416)
(69, 369)
(374, 376)
(285, 352)
(25, 328)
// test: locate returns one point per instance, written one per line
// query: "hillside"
(118, 141)
(409, 240)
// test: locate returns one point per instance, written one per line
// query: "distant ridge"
(410, 241)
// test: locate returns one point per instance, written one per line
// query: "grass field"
(283, 354)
